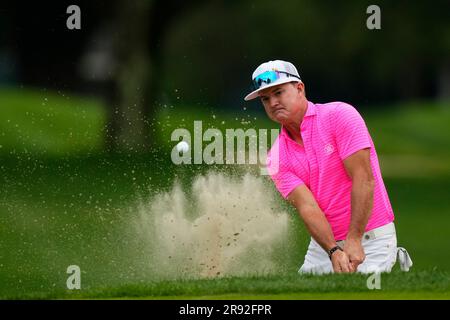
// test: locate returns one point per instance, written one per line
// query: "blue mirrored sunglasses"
(269, 77)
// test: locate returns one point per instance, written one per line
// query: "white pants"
(381, 255)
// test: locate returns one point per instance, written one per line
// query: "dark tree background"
(140, 54)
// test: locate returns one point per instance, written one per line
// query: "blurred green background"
(86, 117)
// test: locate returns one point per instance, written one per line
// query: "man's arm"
(318, 226)
(360, 171)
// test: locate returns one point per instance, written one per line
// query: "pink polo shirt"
(331, 132)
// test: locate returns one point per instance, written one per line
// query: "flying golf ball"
(183, 146)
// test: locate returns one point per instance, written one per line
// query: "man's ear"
(301, 87)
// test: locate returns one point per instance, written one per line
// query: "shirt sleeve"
(351, 132)
(284, 178)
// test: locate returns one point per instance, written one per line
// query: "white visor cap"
(287, 73)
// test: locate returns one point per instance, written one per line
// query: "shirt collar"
(310, 111)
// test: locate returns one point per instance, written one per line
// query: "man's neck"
(293, 127)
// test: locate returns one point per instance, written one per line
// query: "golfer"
(324, 162)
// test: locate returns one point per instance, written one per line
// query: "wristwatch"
(332, 250)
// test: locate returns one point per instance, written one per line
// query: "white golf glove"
(404, 259)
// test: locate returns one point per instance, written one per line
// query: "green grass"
(429, 284)
(63, 202)
(76, 211)
(49, 123)
(370, 295)
(411, 129)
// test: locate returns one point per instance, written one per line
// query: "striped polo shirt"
(330, 132)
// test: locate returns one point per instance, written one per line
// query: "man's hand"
(341, 262)
(355, 252)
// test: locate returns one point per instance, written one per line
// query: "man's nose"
(273, 102)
